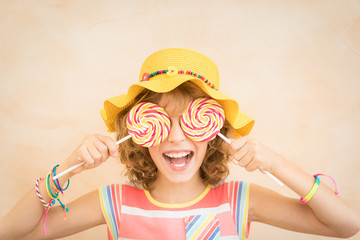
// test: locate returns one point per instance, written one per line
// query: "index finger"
(237, 144)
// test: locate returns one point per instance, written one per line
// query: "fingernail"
(115, 154)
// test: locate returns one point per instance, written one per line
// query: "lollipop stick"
(80, 164)
(224, 138)
(123, 139)
(274, 178)
(266, 172)
(68, 170)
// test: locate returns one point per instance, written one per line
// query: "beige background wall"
(294, 66)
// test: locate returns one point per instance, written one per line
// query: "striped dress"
(218, 213)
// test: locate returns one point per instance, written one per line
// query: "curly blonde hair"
(141, 169)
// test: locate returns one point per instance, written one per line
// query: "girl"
(178, 188)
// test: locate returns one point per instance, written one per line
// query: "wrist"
(64, 178)
(279, 164)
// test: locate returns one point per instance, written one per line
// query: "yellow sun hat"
(165, 70)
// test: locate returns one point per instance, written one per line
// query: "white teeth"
(172, 156)
(176, 155)
(179, 165)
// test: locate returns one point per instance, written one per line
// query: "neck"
(168, 192)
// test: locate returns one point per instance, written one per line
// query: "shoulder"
(113, 188)
(233, 185)
(113, 193)
(235, 191)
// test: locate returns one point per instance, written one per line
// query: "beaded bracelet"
(316, 186)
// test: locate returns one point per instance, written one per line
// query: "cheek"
(201, 148)
(153, 151)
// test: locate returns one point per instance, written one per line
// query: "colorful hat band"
(172, 71)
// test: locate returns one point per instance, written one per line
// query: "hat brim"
(241, 123)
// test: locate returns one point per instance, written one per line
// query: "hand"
(93, 150)
(252, 154)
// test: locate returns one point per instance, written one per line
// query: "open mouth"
(178, 160)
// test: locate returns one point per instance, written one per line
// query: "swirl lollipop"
(148, 124)
(202, 119)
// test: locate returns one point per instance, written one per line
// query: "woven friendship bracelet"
(46, 205)
(53, 196)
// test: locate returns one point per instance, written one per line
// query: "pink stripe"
(161, 228)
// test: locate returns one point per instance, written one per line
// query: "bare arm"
(325, 214)
(85, 213)
(293, 215)
(26, 218)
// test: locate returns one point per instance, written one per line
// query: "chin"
(182, 178)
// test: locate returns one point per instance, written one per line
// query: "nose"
(176, 134)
